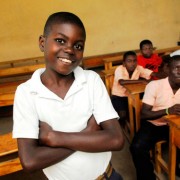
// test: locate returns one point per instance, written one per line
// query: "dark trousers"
(143, 142)
(120, 104)
(115, 176)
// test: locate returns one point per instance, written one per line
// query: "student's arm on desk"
(148, 114)
(159, 75)
(123, 82)
(109, 138)
(35, 156)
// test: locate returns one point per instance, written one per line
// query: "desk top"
(174, 120)
(135, 88)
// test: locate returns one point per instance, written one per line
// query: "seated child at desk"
(127, 73)
(147, 58)
(161, 97)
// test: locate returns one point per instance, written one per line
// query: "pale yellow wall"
(111, 26)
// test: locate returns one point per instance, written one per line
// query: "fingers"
(175, 109)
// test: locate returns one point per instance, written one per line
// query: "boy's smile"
(63, 47)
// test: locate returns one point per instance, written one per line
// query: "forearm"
(98, 141)
(159, 75)
(152, 115)
(123, 82)
(35, 157)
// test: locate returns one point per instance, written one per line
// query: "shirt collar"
(38, 88)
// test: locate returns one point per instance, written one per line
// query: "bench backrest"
(109, 78)
(18, 71)
(109, 62)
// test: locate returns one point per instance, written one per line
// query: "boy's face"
(147, 50)
(174, 73)
(130, 63)
(63, 47)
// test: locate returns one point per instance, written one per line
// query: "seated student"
(127, 73)
(161, 97)
(64, 121)
(147, 58)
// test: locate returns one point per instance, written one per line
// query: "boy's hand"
(44, 130)
(92, 125)
(174, 109)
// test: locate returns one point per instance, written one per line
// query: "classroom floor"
(121, 161)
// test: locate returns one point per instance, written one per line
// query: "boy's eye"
(61, 41)
(78, 47)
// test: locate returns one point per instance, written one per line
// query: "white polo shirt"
(87, 96)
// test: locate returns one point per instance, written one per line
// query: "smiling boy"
(64, 121)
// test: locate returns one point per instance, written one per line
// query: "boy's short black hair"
(63, 17)
(128, 53)
(143, 42)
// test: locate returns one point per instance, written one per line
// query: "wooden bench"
(89, 62)
(109, 78)
(113, 61)
(11, 77)
(93, 62)
(7, 92)
(19, 71)
(8, 146)
(21, 62)
(11, 71)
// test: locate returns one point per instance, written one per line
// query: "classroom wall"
(111, 26)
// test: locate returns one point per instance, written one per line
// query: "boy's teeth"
(65, 60)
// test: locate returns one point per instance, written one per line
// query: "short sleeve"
(119, 73)
(144, 72)
(150, 93)
(25, 118)
(102, 106)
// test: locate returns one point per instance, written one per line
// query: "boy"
(161, 97)
(127, 73)
(148, 59)
(78, 126)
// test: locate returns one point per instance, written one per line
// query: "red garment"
(151, 63)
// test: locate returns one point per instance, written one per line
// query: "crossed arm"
(54, 146)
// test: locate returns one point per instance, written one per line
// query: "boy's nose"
(69, 49)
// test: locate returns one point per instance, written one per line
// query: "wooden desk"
(7, 91)
(174, 142)
(134, 91)
(8, 146)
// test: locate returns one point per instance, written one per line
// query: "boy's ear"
(41, 43)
